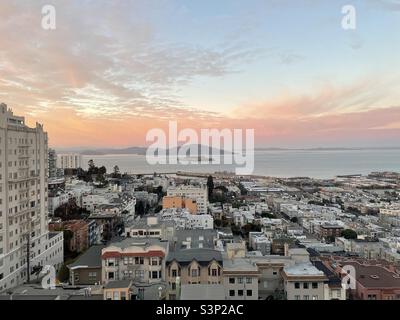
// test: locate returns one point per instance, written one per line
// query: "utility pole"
(28, 256)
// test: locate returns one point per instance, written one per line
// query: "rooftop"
(90, 259)
(374, 276)
(118, 284)
(239, 264)
(303, 269)
(203, 292)
(200, 255)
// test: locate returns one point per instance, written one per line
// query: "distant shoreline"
(143, 150)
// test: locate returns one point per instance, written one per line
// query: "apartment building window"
(231, 293)
(155, 274)
(296, 297)
(111, 276)
(195, 273)
(240, 293)
(111, 262)
(249, 280)
(139, 260)
(315, 297)
(240, 280)
(305, 285)
(92, 276)
(174, 273)
(214, 272)
(154, 261)
(315, 285)
(306, 297)
(139, 274)
(297, 285)
(249, 293)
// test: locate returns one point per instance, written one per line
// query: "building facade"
(193, 267)
(139, 260)
(198, 194)
(303, 282)
(69, 161)
(24, 201)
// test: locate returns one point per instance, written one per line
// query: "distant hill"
(201, 149)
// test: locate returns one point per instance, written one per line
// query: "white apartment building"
(183, 219)
(240, 279)
(23, 201)
(69, 161)
(199, 194)
(304, 282)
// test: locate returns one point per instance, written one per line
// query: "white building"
(183, 219)
(24, 201)
(240, 279)
(57, 200)
(199, 194)
(259, 242)
(69, 161)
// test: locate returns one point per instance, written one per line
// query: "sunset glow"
(112, 70)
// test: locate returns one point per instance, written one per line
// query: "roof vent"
(374, 276)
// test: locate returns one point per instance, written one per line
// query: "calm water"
(280, 163)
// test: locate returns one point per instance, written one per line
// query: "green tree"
(91, 165)
(63, 274)
(349, 234)
(210, 186)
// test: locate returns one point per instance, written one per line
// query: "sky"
(113, 70)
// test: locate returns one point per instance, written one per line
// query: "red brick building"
(373, 282)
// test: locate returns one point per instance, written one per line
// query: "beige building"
(137, 259)
(240, 279)
(69, 161)
(303, 282)
(193, 266)
(118, 290)
(178, 202)
(24, 201)
(198, 194)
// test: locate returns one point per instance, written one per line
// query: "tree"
(63, 273)
(140, 208)
(102, 170)
(116, 172)
(91, 165)
(268, 215)
(349, 234)
(210, 185)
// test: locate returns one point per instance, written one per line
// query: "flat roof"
(372, 276)
(203, 292)
(118, 284)
(303, 269)
(91, 258)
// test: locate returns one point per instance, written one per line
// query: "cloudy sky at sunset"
(112, 70)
